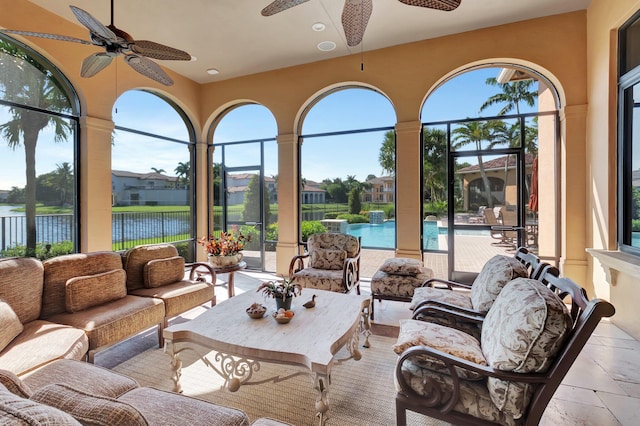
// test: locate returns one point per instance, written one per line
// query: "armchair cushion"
(522, 332)
(495, 274)
(457, 298)
(10, 325)
(445, 339)
(15, 410)
(327, 259)
(92, 290)
(160, 272)
(89, 409)
(402, 266)
(334, 241)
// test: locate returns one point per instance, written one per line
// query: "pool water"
(384, 235)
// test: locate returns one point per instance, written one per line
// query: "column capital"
(287, 139)
(409, 127)
(97, 123)
(574, 111)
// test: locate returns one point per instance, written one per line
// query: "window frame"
(627, 79)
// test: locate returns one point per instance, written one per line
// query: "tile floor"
(602, 388)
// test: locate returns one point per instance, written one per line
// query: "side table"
(231, 269)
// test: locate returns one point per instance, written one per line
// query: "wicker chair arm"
(450, 284)
(433, 307)
(297, 263)
(350, 273)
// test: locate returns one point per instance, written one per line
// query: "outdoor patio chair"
(504, 228)
(529, 341)
(434, 304)
(332, 263)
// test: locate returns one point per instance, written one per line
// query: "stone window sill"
(614, 262)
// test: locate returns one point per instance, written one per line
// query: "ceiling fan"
(356, 13)
(115, 42)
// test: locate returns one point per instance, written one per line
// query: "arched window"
(151, 176)
(38, 139)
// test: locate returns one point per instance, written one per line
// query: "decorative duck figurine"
(311, 303)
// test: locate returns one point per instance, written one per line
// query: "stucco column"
(573, 194)
(202, 191)
(287, 201)
(95, 190)
(408, 189)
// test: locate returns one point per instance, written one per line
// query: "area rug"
(361, 392)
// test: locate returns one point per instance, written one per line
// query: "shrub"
(311, 227)
(635, 225)
(389, 211)
(43, 251)
(354, 218)
(332, 215)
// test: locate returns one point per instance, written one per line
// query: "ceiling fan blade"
(280, 5)
(154, 50)
(46, 35)
(355, 16)
(446, 5)
(95, 63)
(148, 68)
(95, 27)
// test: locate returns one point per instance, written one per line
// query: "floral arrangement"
(227, 244)
(283, 288)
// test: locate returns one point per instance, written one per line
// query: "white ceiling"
(233, 37)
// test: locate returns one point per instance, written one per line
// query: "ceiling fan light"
(318, 26)
(213, 71)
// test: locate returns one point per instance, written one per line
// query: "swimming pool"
(384, 234)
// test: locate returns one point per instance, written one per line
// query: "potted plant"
(225, 249)
(283, 290)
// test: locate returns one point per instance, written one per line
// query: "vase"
(225, 261)
(284, 303)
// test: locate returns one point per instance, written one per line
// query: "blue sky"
(331, 157)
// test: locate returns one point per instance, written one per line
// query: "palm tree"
(476, 132)
(183, 170)
(387, 156)
(158, 171)
(25, 80)
(63, 180)
(512, 95)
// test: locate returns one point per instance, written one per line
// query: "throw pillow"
(327, 259)
(159, 272)
(528, 324)
(445, 339)
(92, 290)
(402, 266)
(16, 410)
(495, 274)
(89, 409)
(10, 325)
(12, 382)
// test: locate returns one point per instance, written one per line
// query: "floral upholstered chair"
(529, 341)
(332, 263)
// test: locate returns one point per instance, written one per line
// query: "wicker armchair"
(529, 341)
(332, 263)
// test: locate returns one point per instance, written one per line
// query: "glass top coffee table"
(310, 340)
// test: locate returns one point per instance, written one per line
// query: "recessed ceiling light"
(318, 26)
(193, 58)
(213, 71)
(326, 46)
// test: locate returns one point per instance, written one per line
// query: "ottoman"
(396, 279)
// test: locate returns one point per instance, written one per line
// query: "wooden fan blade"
(446, 5)
(93, 25)
(355, 16)
(280, 5)
(46, 35)
(148, 68)
(154, 50)
(95, 63)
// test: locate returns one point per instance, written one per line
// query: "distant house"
(312, 193)
(4, 194)
(382, 190)
(238, 186)
(150, 189)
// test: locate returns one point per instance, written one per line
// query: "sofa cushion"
(135, 259)
(522, 332)
(327, 259)
(401, 266)
(14, 385)
(15, 410)
(80, 375)
(58, 270)
(179, 297)
(168, 408)
(42, 342)
(495, 274)
(159, 272)
(21, 286)
(93, 290)
(89, 409)
(10, 325)
(445, 339)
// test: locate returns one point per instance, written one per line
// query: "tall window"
(629, 137)
(38, 139)
(151, 176)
